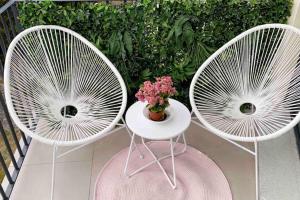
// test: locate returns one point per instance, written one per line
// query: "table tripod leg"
(130, 135)
(159, 164)
(176, 142)
(184, 142)
(173, 164)
(129, 154)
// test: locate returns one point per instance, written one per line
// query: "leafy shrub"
(156, 38)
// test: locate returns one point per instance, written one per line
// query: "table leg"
(157, 160)
(184, 143)
(129, 153)
(159, 164)
(173, 164)
(130, 135)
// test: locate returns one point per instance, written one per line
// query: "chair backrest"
(59, 88)
(249, 90)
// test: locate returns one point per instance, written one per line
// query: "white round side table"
(174, 126)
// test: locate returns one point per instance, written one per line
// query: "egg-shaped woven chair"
(249, 89)
(60, 89)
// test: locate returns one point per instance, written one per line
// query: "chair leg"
(53, 170)
(256, 171)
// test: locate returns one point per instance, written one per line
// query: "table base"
(171, 180)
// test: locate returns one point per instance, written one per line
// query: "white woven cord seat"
(61, 90)
(249, 90)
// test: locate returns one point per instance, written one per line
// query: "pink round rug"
(198, 177)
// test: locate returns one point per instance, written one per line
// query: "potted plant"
(157, 94)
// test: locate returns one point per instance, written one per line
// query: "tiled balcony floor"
(76, 173)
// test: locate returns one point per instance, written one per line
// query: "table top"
(179, 121)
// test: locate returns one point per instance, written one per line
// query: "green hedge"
(149, 39)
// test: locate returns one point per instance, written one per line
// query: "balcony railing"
(14, 143)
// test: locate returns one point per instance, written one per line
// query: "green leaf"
(171, 33)
(188, 34)
(178, 25)
(128, 42)
(146, 73)
(114, 44)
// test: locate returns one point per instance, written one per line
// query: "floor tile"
(39, 153)
(72, 182)
(279, 168)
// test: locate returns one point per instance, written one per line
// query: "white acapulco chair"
(61, 90)
(249, 90)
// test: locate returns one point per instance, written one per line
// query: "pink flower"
(166, 85)
(157, 93)
(152, 100)
(161, 101)
(140, 96)
(157, 86)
